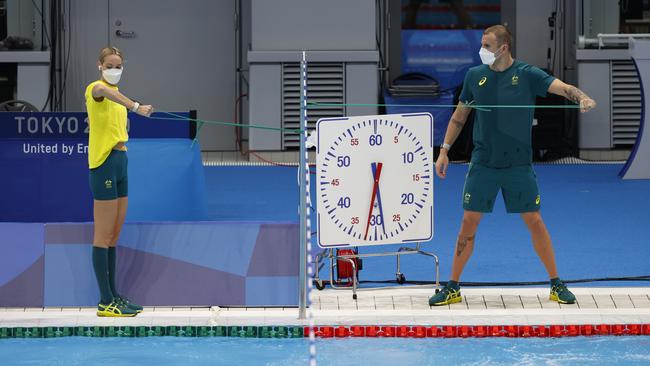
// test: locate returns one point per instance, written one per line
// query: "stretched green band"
(201, 122)
(485, 108)
(468, 105)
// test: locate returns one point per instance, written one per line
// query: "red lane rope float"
(357, 331)
(480, 331)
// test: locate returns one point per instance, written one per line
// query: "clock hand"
(381, 210)
(372, 198)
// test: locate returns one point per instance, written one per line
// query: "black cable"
(44, 28)
(61, 59)
(53, 53)
(67, 57)
(49, 43)
(43, 48)
(56, 29)
(382, 64)
(555, 41)
(582, 18)
(54, 12)
(508, 284)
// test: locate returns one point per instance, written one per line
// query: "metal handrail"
(603, 38)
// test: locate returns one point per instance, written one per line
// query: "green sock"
(100, 264)
(453, 284)
(112, 265)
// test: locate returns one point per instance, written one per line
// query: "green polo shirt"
(502, 136)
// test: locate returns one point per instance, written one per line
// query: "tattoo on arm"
(462, 243)
(575, 95)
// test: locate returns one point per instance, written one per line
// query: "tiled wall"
(170, 264)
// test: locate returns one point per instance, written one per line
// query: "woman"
(107, 114)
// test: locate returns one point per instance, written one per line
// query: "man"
(502, 155)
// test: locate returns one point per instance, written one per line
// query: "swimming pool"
(161, 351)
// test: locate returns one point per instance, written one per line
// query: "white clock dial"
(375, 179)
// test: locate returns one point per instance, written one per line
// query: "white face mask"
(487, 57)
(112, 76)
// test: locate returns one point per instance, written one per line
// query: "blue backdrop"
(43, 160)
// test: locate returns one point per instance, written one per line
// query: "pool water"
(161, 351)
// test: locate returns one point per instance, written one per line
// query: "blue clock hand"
(381, 210)
(372, 199)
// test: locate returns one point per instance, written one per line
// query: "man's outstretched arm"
(573, 94)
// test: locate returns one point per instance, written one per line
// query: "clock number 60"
(375, 140)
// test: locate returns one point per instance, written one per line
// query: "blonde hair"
(502, 34)
(107, 51)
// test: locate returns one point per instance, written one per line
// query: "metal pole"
(302, 301)
(306, 271)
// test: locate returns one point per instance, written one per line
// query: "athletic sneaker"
(129, 304)
(561, 294)
(115, 309)
(446, 296)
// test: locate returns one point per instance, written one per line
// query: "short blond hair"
(502, 34)
(107, 51)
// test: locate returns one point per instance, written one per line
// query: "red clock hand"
(372, 199)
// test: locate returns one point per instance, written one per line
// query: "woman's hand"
(145, 110)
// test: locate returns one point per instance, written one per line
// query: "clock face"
(375, 179)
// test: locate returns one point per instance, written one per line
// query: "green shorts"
(109, 180)
(518, 186)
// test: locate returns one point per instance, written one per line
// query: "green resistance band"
(201, 122)
(483, 107)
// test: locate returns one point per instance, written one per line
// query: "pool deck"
(402, 306)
